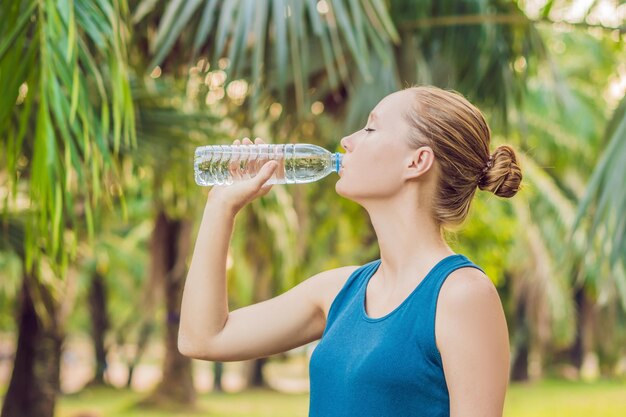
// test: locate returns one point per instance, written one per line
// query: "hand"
(242, 192)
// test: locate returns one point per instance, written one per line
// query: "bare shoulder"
(326, 285)
(466, 284)
(472, 337)
(467, 297)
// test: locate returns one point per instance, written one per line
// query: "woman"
(420, 331)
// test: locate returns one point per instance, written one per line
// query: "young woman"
(420, 331)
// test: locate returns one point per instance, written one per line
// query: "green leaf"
(19, 27)
(206, 24)
(165, 40)
(223, 27)
(280, 44)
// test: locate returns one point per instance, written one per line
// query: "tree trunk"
(218, 371)
(34, 383)
(576, 353)
(254, 373)
(142, 343)
(583, 342)
(519, 368)
(169, 249)
(99, 325)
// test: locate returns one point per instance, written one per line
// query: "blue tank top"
(384, 366)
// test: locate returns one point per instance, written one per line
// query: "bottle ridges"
(298, 163)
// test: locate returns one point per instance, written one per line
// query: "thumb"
(266, 172)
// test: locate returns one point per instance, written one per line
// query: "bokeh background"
(103, 102)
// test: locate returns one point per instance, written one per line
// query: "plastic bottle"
(298, 163)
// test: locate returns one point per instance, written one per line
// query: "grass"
(551, 398)
(104, 402)
(542, 399)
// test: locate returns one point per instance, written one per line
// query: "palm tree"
(113, 268)
(62, 120)
(605, 197)
(564, 287)
(600, 216)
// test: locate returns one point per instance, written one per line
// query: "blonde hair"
(459, 137)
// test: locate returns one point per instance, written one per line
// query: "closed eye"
(367, 129)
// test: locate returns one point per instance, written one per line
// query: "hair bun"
(504, 176)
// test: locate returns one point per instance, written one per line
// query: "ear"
(419, 162)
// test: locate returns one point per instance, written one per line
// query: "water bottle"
(297, 163)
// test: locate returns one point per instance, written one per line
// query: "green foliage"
(65, 111)
(605, 194)
(278, 44)
(472, 47)
(487, 237)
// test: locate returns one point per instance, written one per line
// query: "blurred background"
(104, 101)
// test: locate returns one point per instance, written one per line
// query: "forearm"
(204, 308)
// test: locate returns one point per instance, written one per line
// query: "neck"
(409, 239)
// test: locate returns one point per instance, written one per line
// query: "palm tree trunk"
(519, 368)
(169, 249)
(218, 371)
(34, 381)
(142, 343)
(99, 325)
(576, 353)
(254, 373)
(585, 315)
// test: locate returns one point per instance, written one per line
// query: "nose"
(345, 144)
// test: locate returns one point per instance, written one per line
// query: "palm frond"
(486, 50)
(603, 206)
(277, 43)
(66, 109)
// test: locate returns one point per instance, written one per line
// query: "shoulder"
(472, 337)
(468, 300)
(467, 285)
(468, 294)
(469, 313)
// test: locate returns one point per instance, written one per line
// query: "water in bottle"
(297, 163)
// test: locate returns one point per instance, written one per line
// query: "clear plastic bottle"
(298, 163)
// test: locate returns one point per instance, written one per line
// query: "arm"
(472, 337)
(207, 329)
(204, 307)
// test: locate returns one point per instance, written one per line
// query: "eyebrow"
(372, 116)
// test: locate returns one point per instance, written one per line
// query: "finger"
(259, 141)
(247, 141)
(237, 142)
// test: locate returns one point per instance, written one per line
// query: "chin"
(374, 193)
(338, 187)
(341, 189)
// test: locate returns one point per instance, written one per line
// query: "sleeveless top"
(384, 366)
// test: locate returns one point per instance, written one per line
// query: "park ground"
(548, 398)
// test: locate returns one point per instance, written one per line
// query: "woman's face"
(374, 165)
